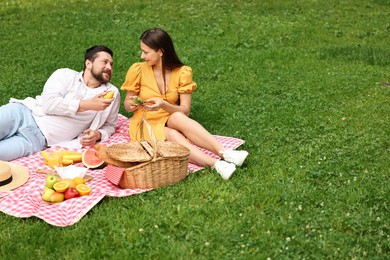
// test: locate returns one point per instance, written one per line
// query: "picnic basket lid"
(128, 152)
(168, 149)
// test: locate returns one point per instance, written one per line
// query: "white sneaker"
(225, 169)
(236, 157)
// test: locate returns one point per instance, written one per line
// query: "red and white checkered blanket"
(26, 201)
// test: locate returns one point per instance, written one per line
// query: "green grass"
(302, 82)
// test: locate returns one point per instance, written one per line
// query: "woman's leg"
(199, 136)
(197, 156)
(195, 132)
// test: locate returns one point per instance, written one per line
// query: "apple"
(50, 181)
(71, 193)
(47, 194)
(57, 197)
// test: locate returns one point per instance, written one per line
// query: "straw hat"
(12, 175)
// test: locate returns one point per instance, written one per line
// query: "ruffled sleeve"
(133, 78)
(186, 85)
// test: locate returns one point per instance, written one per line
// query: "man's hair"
(91, 53)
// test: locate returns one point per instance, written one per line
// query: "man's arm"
(60, 93)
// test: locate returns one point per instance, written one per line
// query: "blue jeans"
(19, 134)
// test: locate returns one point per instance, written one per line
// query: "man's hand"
(89, 137)
(97, 103)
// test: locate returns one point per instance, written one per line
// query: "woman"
(159, 90)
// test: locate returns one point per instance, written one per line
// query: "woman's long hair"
(158, 39)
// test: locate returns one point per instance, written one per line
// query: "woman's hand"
(153, 104)
(130, 105)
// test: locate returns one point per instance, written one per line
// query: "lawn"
(302, 82)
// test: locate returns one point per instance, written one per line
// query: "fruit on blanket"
(66, 162)
(47, 194)
(54, 159)
(57, 197)
(73, 157)
(51, 180)
(109, 94)
(57, 190)
(45, 156)
(78, 180)
(61, 186)
(45, 188)
(64, 157)
(83, 189)
(71, 183)
(91, 161)
(71, 193)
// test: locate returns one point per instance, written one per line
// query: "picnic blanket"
(26, 201)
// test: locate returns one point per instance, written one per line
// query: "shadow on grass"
(369, 55)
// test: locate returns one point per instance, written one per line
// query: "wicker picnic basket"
(167, 164)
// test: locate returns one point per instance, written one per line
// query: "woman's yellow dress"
(141, 80)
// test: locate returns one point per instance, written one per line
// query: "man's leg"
(19, 134)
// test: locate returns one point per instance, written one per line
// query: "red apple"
(71, 193)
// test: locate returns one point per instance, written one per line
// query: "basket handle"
(152, 137)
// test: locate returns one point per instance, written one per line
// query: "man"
(71, 103)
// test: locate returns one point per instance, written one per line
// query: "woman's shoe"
(236, 157)
(225, 169)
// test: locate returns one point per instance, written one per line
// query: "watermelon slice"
(91, 161)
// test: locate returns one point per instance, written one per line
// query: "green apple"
(50, 181)
(47, 194)
(57, 197)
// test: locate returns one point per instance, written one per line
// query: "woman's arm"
(154, 104)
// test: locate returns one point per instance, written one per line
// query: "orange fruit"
(78, 180)
(71, 183)
(61, 186)
(83, 189)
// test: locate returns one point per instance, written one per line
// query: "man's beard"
(99, 76)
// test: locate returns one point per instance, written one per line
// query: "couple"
(72, 103)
